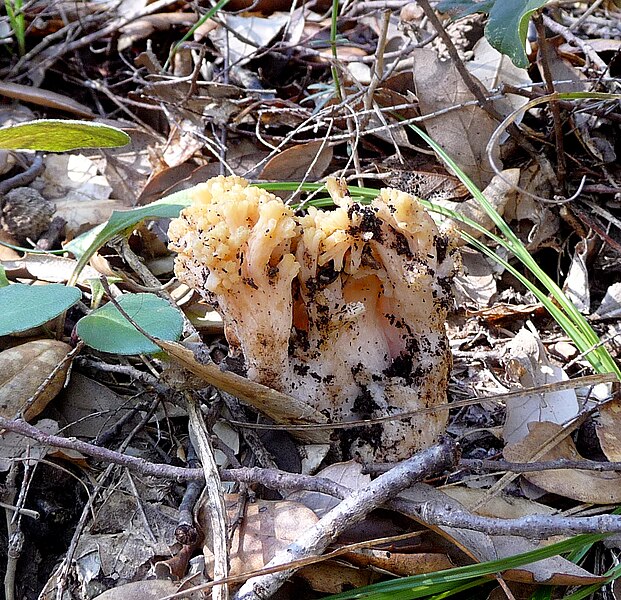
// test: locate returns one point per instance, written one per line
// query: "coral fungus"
(343, 309)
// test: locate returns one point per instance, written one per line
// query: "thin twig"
(23, 178)
(215, 506)
(531, 526)
(377, 68)
(185, 532)
(574, 40)
(544, 60)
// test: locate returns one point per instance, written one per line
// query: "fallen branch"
(215, 506)
(532, 526)
(351, 510)
(271, 478)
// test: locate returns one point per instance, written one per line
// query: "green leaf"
(85, 245)
(3, 280)
(25, 306)
(107, 330)
(57, 135)
(419, 586)
(507, 27)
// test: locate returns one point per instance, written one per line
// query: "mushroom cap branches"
(344, 309)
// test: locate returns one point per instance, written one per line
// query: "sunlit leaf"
(57, 135)
(28, 306)
(107, 330)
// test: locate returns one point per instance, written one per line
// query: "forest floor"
(281, 92)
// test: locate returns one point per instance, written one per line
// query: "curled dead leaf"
(299, 162)
(26, 367)
(583, 486)
(609, 430)
(267, 528)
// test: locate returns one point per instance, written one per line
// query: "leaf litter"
(253, 94)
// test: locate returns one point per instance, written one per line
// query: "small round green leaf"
(107, 330)
(3, 280)
(25, 306)
(57, 135)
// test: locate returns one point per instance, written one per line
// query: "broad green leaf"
(507, 27)
(3, 280)
(25, 306)
(462, 8)
(107, 330)
(85, 245)
(57, 135)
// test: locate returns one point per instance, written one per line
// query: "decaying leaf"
(332, 577)
(26, 367)
(609, 430)
(528, 364)
(88, 407)
(14, 446)
(399, 563)
(551, 571)
(610, 308)
(48, 267)
(256, 32)
(576, 284)
(268, 527)
(462, 133)
(500, 192)
(299, 163)
(150, 589)
(434, 187)
(476, 284)
(583, 486)
(502, 506)
(493, 69)
(347, 473)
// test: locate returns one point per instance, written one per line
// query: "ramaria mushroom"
(343, 309)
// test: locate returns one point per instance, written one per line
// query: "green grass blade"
(210, 13)
(575, 325)
(420, 586)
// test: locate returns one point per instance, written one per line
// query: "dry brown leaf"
(145, 26)
(583, 486)
(257, 30)
(483, 547)
(280, 407)
(27, 93)
(267, 528)
(299, 163)
(47, 267)
(331, 577)
(462, 133)
(150, 589)
(502, 506)
(609, 430)
(347, 473)
(15, 446)
(475, 285)
(400, 564)
(500, 312)
(23, 369)
(5, 252)
(87, 407)
(494, 69)
(435, 187)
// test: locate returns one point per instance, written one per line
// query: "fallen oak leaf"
(580, 485)
(31, 375)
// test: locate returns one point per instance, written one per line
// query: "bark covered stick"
(351, 510)
(216, 508)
